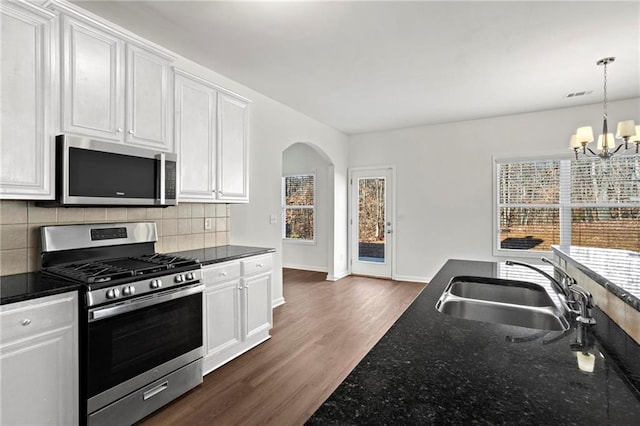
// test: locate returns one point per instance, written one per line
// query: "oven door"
(133, 343)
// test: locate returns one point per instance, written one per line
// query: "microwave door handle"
(161, 196)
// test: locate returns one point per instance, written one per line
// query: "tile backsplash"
(179, 228)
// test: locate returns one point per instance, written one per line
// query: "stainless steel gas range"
(141, 320)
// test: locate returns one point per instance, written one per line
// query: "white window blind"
(299, 207)
(590, 202)
(605, 203)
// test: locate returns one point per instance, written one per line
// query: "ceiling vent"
(576, 94)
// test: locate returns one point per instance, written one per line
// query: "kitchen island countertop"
(432, 368)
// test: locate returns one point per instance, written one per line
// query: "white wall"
(444, 177)
(301, 158)
(274, 127)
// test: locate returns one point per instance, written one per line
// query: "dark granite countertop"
(20, 287)
(432, 368)
(211, 255)
(616, 270)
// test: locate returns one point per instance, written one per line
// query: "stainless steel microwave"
(91, 172)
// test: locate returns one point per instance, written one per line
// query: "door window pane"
(371, 219)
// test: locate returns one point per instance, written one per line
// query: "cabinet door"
(25, 140)
(147, 99)
(39, 381)
(232, 149)
(222, 317)
(258, 315)
(93, 88)
(39, 361)
(195, 139)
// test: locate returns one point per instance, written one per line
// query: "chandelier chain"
(605, 90)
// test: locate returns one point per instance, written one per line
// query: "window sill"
(296, 241)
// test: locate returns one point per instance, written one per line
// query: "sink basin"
(500, 290)
(501, 301)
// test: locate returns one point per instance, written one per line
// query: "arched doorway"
(308, 208)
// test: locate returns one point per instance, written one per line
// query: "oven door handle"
(144, 302)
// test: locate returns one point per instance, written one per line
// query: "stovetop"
(114, 262)
(107, 271)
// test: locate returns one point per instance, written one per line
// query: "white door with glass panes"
(371, 222)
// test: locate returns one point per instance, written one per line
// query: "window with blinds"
(587, 202)
(298, 204)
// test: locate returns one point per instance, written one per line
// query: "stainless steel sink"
(501, 301)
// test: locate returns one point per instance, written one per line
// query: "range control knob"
(179, 278)
(128, 290)
(155, 284)
(113, 293)
(191, 276)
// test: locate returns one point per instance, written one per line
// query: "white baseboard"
(338, 276)
(411, 278)
(277, 302)
(306, 267)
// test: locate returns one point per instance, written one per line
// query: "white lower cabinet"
(237, 310)
(39, 361)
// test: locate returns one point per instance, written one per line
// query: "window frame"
(284, 207)
(564, 205)
(562, 210)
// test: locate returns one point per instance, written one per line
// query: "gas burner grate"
(170, 260)
(106, 270)
(92, 272)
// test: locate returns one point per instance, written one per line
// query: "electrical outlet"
(208, 223)
(273, 219)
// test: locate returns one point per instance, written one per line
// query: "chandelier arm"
(617, 149)
(592, 153)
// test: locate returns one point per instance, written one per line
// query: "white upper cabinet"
(114, 89)
(92, 84)
(211, 141)
(26, 52)
(148, 99)
(232, 149)
(195, 122)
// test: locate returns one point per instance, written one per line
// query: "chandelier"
(627, 130)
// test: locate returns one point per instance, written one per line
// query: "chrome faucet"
(565, 279)
(574, 298)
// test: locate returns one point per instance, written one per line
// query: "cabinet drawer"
(256, 265)
(220, 273)
(25, 319)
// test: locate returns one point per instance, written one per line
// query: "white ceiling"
(368, 66)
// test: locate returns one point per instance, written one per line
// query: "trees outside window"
(587, 202)
(298, 199)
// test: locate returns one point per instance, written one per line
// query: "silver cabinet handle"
(130, 132)
(26, 322)
(223, 274)
(259, 265)
(119, 129)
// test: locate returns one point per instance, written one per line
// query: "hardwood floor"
(319, 336)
